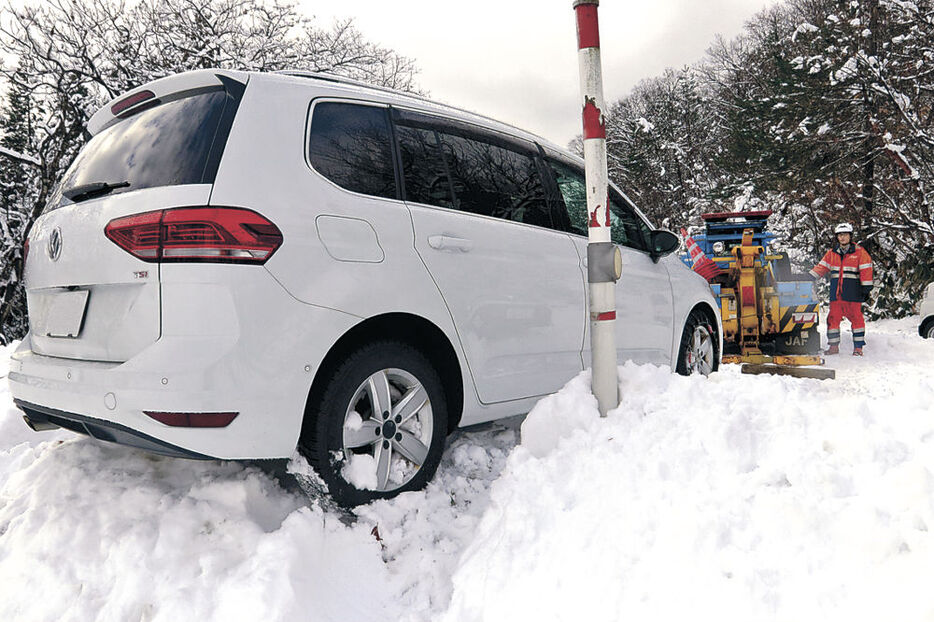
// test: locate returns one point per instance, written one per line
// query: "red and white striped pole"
(603, 258)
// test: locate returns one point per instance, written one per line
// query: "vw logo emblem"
(55, 244)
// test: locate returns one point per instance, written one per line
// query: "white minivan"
(926, 311)
(239, 264)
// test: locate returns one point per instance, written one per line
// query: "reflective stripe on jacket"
(849, 272)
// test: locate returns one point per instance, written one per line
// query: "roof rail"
(330, 77)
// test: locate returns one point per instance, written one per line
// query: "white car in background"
(239, 264)
(926, 310)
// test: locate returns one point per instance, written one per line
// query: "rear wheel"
(379, 427)
(927, 330)
(698, 351)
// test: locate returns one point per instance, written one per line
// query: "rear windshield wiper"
(94, 189)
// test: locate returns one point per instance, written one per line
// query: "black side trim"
(235, 92)
(105, 431)
(464, 129)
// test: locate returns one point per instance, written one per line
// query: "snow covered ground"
(727, 498)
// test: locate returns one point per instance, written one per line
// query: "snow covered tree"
(72, 56)
(16, 173)
(862, 82)
(660, 146)
(821, 111)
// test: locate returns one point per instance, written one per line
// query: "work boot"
(857, 351)
(833, 349)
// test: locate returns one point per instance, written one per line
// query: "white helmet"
(843, 227)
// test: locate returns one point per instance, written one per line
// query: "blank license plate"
(65, 314)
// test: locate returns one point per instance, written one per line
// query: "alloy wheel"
(389, 420)
(700, 352)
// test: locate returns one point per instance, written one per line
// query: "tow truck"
(770, 314)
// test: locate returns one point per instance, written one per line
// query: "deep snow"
(727, 498)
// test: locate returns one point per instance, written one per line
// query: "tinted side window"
(627, 228)
(350, 145)
(573, 190)
(426, 179)
(494, 181)
(625, 221)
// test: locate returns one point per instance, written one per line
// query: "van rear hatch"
(155, 148)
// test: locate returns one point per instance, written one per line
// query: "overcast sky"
(517, 61)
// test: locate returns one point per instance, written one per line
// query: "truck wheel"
(927, 330)
(379, 427)
(698, 351)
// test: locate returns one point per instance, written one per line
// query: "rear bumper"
(201, 366)
(41, 417)
(107, 400)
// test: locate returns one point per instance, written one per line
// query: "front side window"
(350, 145)
(495, 181)
(627, 229)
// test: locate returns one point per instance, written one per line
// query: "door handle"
(447, 242)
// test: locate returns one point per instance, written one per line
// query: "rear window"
(174, 143)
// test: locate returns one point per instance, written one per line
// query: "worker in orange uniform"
(850, 269)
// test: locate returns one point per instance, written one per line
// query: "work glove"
(867, 293)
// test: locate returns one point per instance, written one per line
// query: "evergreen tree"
(820, 111)
(16, 189)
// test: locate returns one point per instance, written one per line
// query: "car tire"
(698, 352)
(364, 449)
(927, 329)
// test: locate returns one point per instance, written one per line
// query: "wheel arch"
(412, 329)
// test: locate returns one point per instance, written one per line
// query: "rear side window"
(350, 145)
(494, 181)
(174, 143)
(627, 228)
(424, 171)
(454, 164)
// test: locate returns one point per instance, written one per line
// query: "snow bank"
(91, 531)
(99, 533)
(729, 498)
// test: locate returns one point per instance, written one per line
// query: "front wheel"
(698, 351)
(379, 426)
(927, 331)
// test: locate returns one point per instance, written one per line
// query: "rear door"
(483, 229)
(87, 298)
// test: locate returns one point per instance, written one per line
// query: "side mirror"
(663, 243)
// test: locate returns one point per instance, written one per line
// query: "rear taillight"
(197, 234)
(25, 251)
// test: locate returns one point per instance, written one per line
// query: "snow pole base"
(788, 370)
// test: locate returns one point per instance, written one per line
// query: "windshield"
(177, 142)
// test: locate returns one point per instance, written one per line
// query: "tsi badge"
(55, 244)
